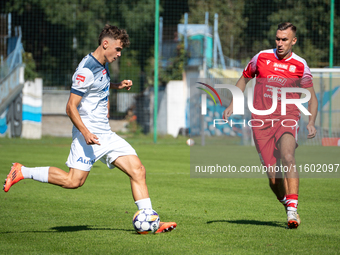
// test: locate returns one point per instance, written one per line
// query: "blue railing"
(13, 60)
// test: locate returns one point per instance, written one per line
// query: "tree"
(312, 19)
(57, 32)
(253, 24)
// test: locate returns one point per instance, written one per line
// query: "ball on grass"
(190, 142)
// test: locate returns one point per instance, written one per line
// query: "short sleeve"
(82, 81)
(251, 68)
(307, 78)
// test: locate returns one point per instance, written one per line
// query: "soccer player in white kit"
(93, 139)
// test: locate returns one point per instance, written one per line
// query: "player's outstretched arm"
(313, 109)
(72, 112)
(123, 84)
(241, 83)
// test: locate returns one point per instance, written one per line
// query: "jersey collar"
(286, 59)
(96, 60)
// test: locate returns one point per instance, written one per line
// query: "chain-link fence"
(60, 33)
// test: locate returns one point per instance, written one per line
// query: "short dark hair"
(114, 33)
(286, 25)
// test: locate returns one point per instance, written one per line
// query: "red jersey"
(271, 72)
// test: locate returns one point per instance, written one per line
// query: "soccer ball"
(146, 221)
(190, 142)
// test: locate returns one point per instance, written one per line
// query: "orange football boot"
(13, 177)
(166, 227)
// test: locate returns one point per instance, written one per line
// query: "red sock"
(292, 202)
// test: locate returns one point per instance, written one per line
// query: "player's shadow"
(252, 222)
(63, 229)
(83, 228)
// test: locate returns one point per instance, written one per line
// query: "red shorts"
(267, 136)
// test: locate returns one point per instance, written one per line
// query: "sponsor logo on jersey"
(104, 71)
(276, 79)
(283, 66)
(279, 70)
(292, 69)
(86, 161)
(80, 79)
(268, 61)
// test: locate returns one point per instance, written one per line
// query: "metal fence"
(59, 36)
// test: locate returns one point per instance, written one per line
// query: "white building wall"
(176, 104)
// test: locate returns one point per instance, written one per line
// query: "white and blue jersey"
(91, 81)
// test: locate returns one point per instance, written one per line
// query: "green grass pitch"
(214, 216)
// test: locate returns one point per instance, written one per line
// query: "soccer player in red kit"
(275, 134)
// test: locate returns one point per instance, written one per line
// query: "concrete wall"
(31, 109)
(176, 104)
(125, 100)
(171, 109)
(162, 113)
(54, 102)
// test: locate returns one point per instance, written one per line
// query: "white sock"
(294, 205)
(144, 204)
(35, 173)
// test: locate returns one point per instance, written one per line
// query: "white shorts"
(83, 156)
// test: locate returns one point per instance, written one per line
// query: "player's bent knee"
(288, 159)
(73, 184)
(138, 173)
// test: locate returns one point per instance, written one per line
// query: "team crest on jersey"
(268, 61)
(292, 69)
(276, 79)
(80, 79)
(104, 71)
